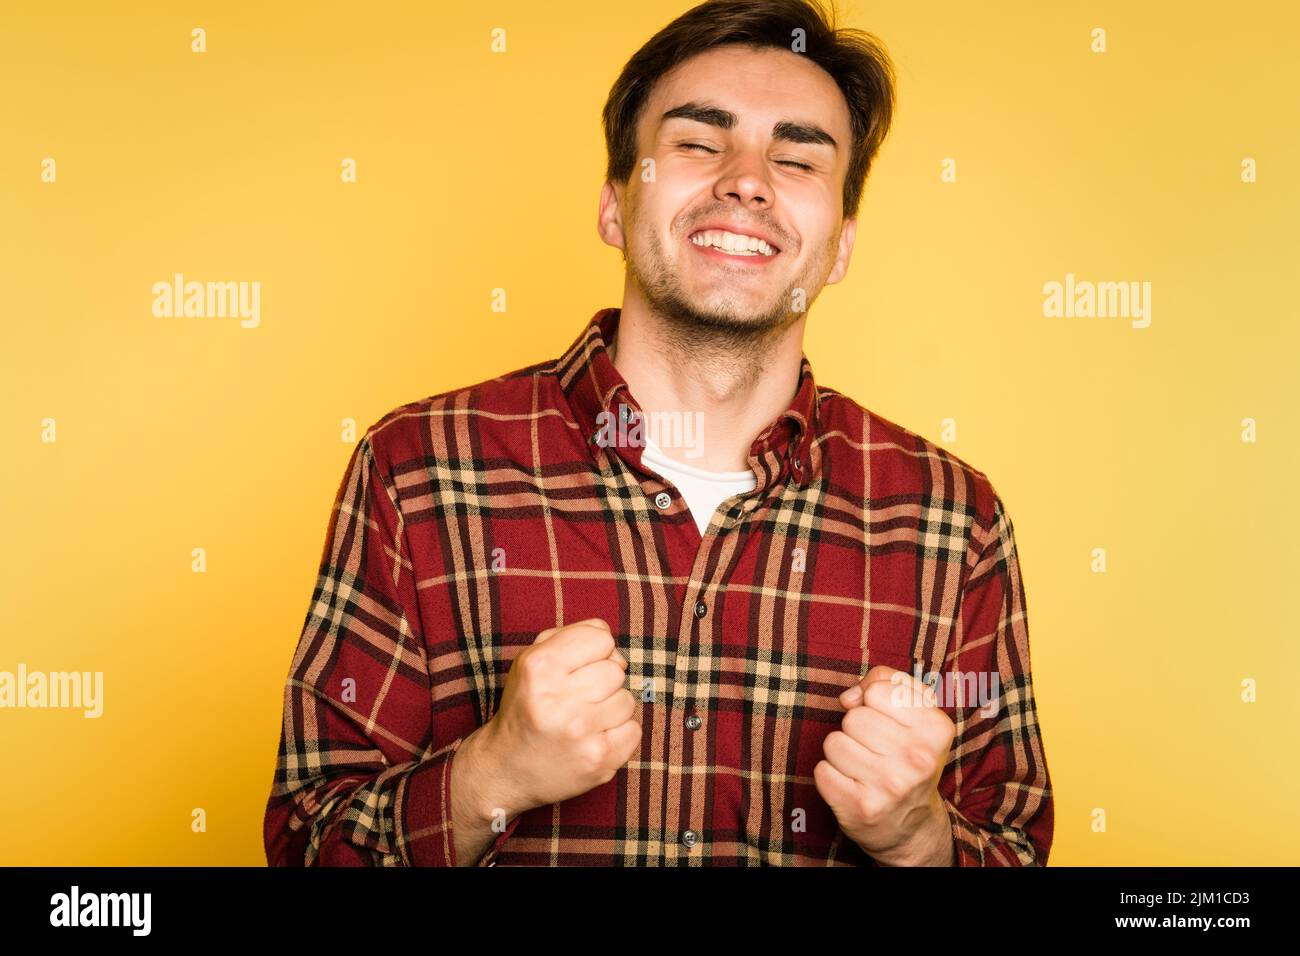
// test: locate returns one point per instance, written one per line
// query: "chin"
(737, 316)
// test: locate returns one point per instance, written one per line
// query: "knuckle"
(592, 755)
(870, 807)
(575, 728)
(921, 759)
(895, 785)
(531, 662)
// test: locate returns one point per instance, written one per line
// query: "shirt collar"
(785, 449)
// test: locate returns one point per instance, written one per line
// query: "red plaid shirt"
(470, 521)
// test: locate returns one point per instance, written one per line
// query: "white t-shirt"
(703, 490)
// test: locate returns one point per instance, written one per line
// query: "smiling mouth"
(732, 243)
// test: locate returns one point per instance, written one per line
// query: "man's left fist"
(881, 773)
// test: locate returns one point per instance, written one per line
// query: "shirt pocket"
(837, 642)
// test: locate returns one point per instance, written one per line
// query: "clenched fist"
(881, 773)
(565, 722)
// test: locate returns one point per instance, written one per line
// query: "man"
(541, 635)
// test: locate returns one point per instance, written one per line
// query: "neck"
(725, 389)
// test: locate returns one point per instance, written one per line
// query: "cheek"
(818, 258)
(651, 229)
(818, 228)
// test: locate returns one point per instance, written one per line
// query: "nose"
(744, 180)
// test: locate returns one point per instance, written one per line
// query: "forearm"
(476, 800)
(936, 846)
(931, 843)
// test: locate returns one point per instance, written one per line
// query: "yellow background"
(479, 170)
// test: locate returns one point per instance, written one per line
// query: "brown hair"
(856, 60)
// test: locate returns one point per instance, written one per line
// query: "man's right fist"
(565, 722)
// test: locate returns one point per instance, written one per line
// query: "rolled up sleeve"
(996, 785)
(359, 780)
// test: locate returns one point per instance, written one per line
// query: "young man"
(540, 638)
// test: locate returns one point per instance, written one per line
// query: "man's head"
(742, 118)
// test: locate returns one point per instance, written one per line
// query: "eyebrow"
(787, 130)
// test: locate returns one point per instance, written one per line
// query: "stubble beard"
(724, 338)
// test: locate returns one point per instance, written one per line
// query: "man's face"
(747, 144)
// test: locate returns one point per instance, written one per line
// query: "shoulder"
(436, 426)
(908, 467)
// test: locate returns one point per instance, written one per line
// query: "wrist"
(930, 843)
(480, 774)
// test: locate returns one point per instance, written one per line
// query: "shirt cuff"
(967, 838)
(425, 836)
(489, 858)
(422, 811)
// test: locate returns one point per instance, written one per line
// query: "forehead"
(761, 86)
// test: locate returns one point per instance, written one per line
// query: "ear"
(609, 219)
(847, 234)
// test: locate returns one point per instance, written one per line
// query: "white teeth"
(733, 243)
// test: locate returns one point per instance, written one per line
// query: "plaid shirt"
(470, 521)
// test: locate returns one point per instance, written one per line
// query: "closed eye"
(780, 162)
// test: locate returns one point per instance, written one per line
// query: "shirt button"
(798, 464)
(701, 609)
(688, 837)
(693, 722)
(663, 500)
